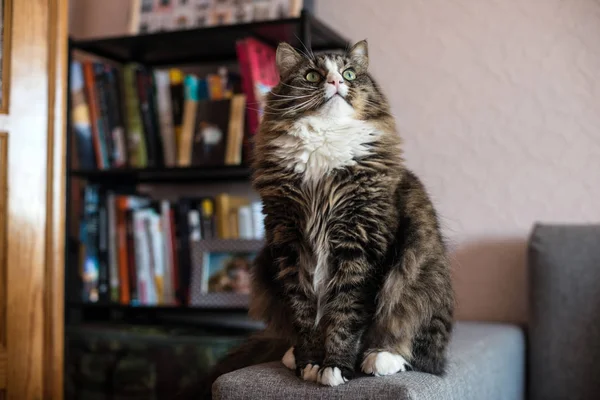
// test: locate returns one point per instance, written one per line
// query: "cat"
(354, 275)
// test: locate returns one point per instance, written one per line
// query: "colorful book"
(90, 269)
(98, 132)
(80, 120)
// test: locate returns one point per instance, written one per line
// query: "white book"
(142, 257)
(245, 226)
(165, 116)
(258, 220)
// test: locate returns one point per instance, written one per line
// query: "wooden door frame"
(55, 200)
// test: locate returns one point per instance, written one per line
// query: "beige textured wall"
(499, 105)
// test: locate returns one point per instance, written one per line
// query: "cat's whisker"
(304, 87)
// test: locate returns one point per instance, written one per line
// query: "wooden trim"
(55, 199)
(6, 53)
(3, 367)
(3, 229)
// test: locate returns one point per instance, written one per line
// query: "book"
(136, 142)
(165, 114)
(207, 218)
(246, 229)
(103, 256)
(227, 207)
(189, 120)
(103, 111)
(145, 91)
(115, 116)
(177, 104)
(258, 220)
(113, 247)
(145, 281)
(235, 132)
(96, 123)
(80, 120)
(90, 269)
(168, 251)
(259, 75)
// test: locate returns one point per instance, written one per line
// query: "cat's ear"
(359, 53)
(286, 58)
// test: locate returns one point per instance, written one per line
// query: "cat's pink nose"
(335, 83)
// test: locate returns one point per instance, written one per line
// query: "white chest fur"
(319, 144)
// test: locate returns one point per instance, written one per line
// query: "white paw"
(289, 360)
(384, 363)
(310, 373)
(331, 377)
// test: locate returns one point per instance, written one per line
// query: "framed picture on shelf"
(221, 273)
(227, 272)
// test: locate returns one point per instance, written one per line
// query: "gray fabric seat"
(487, 362)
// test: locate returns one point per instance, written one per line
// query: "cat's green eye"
(313, 76)
(349, 74)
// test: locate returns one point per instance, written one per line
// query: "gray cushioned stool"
(487, 362)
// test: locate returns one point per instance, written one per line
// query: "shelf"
(233, 317)
(165, 175)
(214, 44)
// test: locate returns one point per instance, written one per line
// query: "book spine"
(123, 249)
(189, 120)
(184, 251)
(177, 105)
(154, 117)
(146, 117)
(207, 218)
(246, 230)
(138, 157)
(159, 257)
(258, 220)
(142, 257)
(165, 113)
(132, 262)
(80, 120)
(103, 111)
(150, 265)
(90, 265)
(103, 259)
(166, 240)
(115, 117)
(113, 247)
(92, 101)
(175, 251)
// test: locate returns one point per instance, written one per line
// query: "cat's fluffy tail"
(258, 348)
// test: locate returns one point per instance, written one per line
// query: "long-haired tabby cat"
(354, 274)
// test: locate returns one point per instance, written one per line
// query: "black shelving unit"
(176, 48)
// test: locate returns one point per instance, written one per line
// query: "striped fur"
(355, 267)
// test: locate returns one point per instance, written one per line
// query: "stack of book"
(132, 116)
(137, 251)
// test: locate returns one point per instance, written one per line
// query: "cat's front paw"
(289, 360)
(382, 363)
(334, 376)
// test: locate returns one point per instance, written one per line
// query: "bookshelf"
(177, 48)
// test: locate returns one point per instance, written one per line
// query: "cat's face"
(334, 85)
